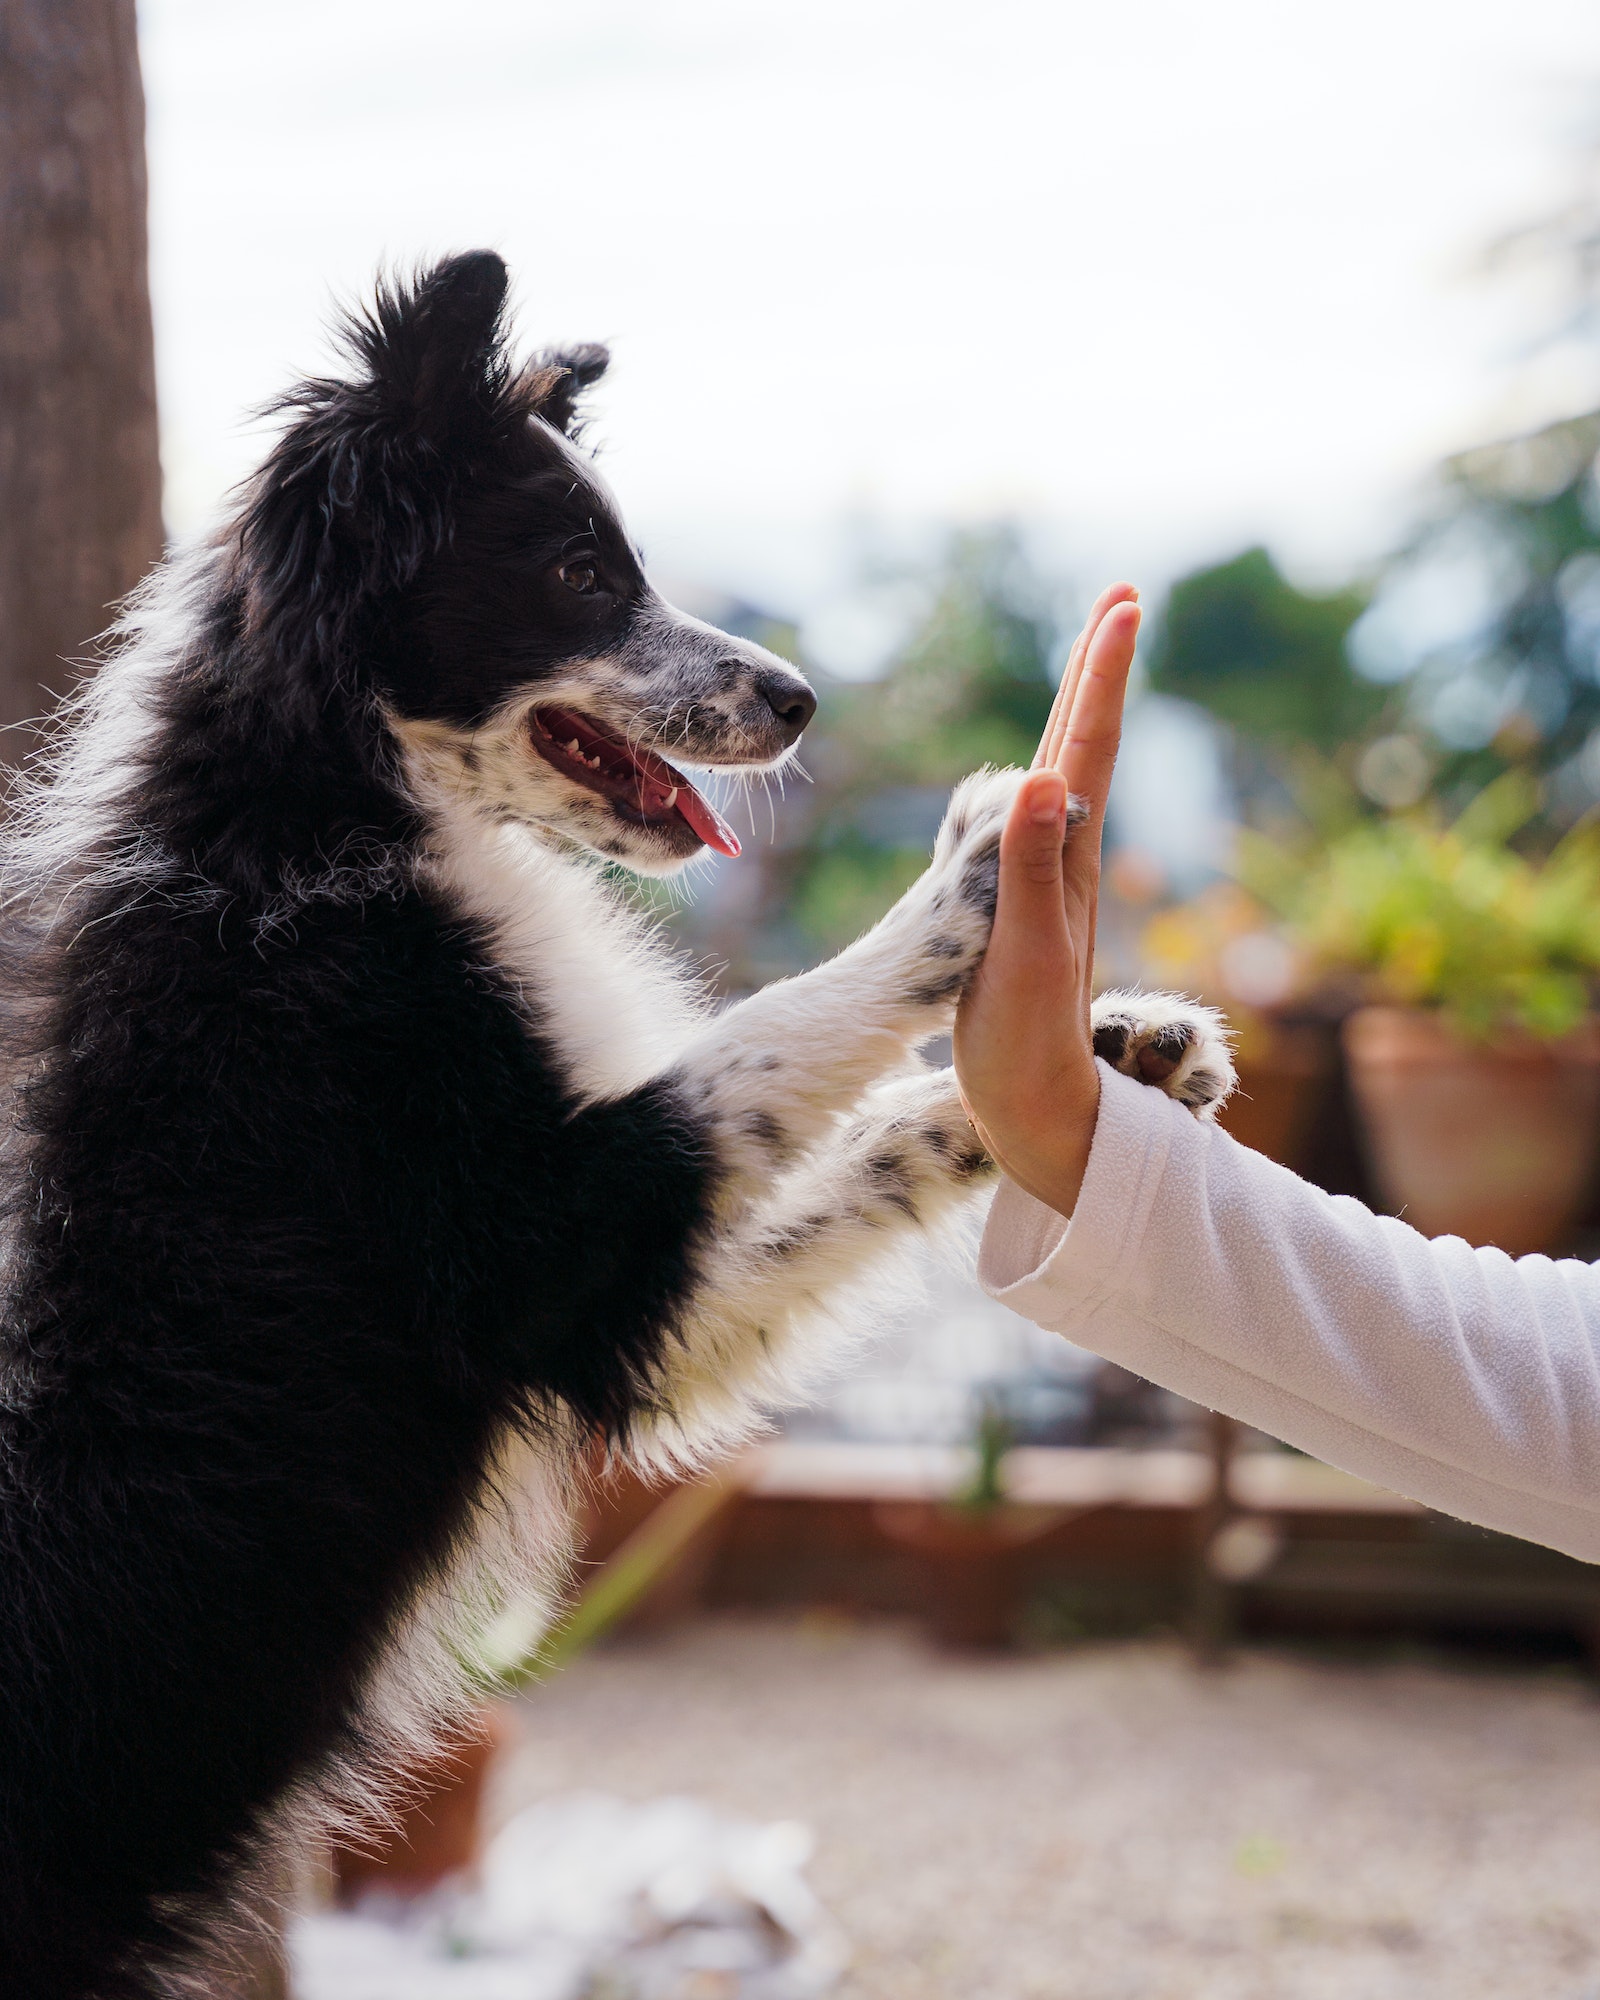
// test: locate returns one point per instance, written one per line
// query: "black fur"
(930, 992)
(763, 1126)
(305, 1211)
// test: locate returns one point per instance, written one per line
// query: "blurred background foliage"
(1518, 528)
(1352, 725)
(1412, 910)
(1265, 658)
(1330, 707)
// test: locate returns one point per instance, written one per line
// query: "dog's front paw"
(952, 908)
(1159, 1038)
(917, 1140)
(968, 847)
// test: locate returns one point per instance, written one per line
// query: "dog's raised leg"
(904, 1161)
(773, 1073)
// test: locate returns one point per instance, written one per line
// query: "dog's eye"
(583, 577)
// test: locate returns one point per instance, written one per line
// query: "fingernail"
(1047, 798)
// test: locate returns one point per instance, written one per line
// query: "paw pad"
(1159, 1057)
(1176, 1046)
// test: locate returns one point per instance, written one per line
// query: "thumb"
(1031, 912)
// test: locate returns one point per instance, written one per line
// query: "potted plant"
(970, 1546)
(1474, 1056)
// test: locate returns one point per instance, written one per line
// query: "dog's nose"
(790, 699)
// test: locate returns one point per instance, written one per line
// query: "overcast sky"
(1162, 277)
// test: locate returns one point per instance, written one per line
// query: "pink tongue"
(712, 828)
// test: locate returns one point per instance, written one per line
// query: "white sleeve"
(1459, 1377)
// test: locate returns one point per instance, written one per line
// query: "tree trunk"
(80, 476)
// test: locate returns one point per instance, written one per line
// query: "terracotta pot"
(1283, 1089)
(971, 1564)
(440, 1829)
(1495, 1142)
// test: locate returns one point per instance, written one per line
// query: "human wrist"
(1045, 1149)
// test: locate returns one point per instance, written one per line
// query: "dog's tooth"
(672, 798)
(573, 747)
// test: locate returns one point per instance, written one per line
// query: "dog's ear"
(435, 346)
(358, 489)
(555, 381)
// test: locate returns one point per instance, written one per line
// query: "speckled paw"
(968, 847)
(1174, 1044)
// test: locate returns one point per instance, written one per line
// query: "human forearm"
(1460, 1377)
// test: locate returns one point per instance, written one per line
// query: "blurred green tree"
(973, 684)
(1268, 659)
(1515, 541)
(1518, 527)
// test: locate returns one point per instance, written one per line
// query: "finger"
(1088, 759)
(1061, 708)
(1030, 918)
(1118, 594)
(1089, 753)
(1050, 742)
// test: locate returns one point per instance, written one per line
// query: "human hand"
(1023, 1054)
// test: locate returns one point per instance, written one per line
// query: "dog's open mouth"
(638, 784)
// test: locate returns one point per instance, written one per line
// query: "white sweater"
(1461, 1377)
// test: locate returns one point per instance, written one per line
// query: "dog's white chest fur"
(595, 980)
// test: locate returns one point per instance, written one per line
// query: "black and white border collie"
(368, 1161)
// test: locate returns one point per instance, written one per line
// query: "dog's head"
(429, 536)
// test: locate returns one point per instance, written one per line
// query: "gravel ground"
(1107, 1824)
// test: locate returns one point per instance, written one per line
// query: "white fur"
(69, 800)
(594, 975)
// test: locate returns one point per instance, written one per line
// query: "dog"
(369, 1162)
